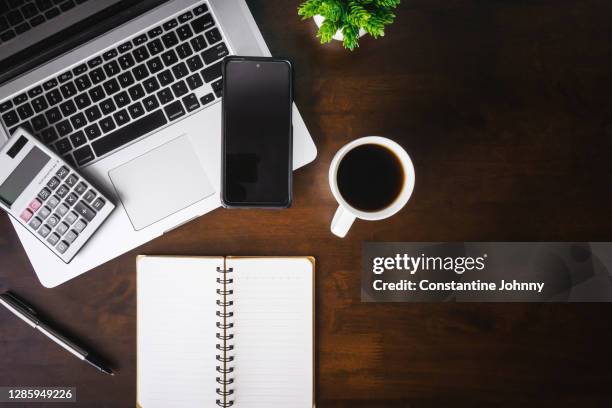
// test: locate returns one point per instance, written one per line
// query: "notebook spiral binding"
(225, 325)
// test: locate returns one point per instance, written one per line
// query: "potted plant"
(348, 20)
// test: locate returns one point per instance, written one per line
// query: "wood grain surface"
(505, 108)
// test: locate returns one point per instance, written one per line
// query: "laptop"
(128, 92)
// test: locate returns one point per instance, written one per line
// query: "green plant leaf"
(327, 31)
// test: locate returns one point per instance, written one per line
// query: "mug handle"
(342, 222)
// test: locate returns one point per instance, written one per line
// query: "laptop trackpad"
(161, 182)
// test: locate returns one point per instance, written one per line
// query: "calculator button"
(61, 228)
(53, 238)
(35, 205)
(71, 199)
(62, 191)
(79, 226)
(71, 218)
(80, 188)
(62, 173)
(44, 231)
(53, 183)
(98, 204)
(35, 223)
(44, 194)
(70, 237)
(62, 247)
(53, 202)
(90, 196)
(53, 220)
(44, 212)
(72, 180)
(26, 215)
(85, 211)
(62, 210)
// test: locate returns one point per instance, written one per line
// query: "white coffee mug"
(346, 214)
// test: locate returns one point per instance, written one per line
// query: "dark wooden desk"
(505, 107)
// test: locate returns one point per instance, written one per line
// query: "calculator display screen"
(23, 175)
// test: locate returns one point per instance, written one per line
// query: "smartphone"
(257, 145)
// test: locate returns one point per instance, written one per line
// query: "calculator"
(48, 197)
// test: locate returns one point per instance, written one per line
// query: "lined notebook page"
(273, 332)
(176, 331)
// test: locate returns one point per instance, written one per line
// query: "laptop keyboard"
(19, 16)
(124, 93)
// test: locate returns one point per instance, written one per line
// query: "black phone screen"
(257, 137)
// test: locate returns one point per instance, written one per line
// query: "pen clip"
(13, 298)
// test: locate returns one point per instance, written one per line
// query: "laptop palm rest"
(161, 182)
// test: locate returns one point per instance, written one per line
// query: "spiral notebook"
(225, 331)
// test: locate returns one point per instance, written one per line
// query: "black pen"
(28, 315)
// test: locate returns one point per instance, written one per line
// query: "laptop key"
(25, 111)
(97, 75)
(97, 93)
(53, 115)
(155, 65)
(63, 146)
(39, 104)
(108, 106)
(169, 25)
(136, 92)
(94, 62)
(111, 86)
(140, 72)
(82, 101)
(169, 58)
(10, 118)
(122, 99)
(184, 50)
(68, 90)
(185, 17)
(194, 81)
(130, 132)
(141, 39)
(111, 68)
(83, 155)
(213, 36)
(78, 138)
(92, 131)
(107, 125)
(126, 61)
(180, 70)
(39, 122)
(65, 77)
(170, 39)
(67, 5)
(212, 72)
(79, 69)
(165, 96)
(22, 28)
(140, 54)
(109, 55)
(68, 108)
(184, 32)
(179, 89)
(198, 43)
(151, 85)
(121, 117)
(136, 110)
(82, 82)
(165, 77)
(191, 102)
(54, 97)
(195, 63)
(202, 23)
(208, 98)
(6, 105)
(48, 135)
(200, 10)
(214, 53)
(155, 32)
(155, 46)
(93, 113)
(150, 103)
(174, 110)
(34, 92)
(52, 83)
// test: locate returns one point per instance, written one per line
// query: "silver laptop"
(127, 91)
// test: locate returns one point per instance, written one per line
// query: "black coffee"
(370, 177)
